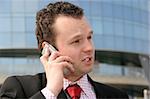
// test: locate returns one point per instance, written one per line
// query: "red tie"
(74, 91)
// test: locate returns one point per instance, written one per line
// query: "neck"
(74, 78)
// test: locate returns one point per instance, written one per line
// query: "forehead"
(69, 25)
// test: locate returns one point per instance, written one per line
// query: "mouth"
(87, 59)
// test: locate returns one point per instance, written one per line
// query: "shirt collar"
(82, 82)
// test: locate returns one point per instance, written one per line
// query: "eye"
(89, 37)
(76, 41)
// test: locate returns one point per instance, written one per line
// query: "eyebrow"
(78, 35)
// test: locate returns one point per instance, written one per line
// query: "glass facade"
(119, 25)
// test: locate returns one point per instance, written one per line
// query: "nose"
(88, 46)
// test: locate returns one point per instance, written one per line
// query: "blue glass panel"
(128, 43)
(128, 29)
(5, 24)
(137, 15)
(144, 33)
(119, 43)
(145, 17)
(128, 11)
(5, 40)
(18, 24)
(118, 11)
(128, 3)
(6, 65)
(108, 27)
(107, 69)
(109, 42)
(5, 6)
(136, 3)
(97, 26)
(144, 4)
(98, 41)
(86, 6)
(117, 2)
(18, 39)
(138, 45)
(138, 31)
(18, 6)
(20, 61)
(106, 9)
(119, 27)
(145, 46)
(30, 24)
(31, 40)
(31, 6)
(42, 3)
(95, 8)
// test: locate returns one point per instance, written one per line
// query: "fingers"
(48, 56)
(64, 59)
(55, 58)
(67, 65)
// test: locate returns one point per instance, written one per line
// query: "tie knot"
(74, 91)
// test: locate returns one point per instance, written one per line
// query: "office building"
(121, 37)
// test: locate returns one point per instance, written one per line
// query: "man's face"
(74, 39)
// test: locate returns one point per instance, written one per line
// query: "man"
(64, 26)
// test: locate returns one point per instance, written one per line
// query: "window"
(5, 6)
(86, 6)
(106, 9)
(119, 27)
(95, 8)
(128, 29)
(18, 6)
(31, 40)
(31, 6)
(118, 11)
(30, 24)
(5, 24)
(5, 40)
(18, 24)
(18, 40)
(128, 11)
(97, 26)
(108, 27)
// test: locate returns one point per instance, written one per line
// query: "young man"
(64, 26)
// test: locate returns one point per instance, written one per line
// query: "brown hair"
(46, 17)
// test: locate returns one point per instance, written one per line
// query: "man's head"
(64, 26)
(46, 17)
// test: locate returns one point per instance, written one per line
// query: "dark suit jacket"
(19, 87)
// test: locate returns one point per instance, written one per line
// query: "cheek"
(74, 55)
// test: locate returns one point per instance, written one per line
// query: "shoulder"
(25, 79)
(23, 85)
(106, 91)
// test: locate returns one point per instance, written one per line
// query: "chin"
(87, 70)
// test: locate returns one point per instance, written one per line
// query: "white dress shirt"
(86, 93)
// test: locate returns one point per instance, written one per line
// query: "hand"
(54, 66)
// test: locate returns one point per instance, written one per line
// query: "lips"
(87, 59)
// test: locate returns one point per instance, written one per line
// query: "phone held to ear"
(52, 49)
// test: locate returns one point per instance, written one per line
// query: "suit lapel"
(96, 88)
(62, 95)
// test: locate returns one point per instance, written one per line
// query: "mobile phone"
(52, 49)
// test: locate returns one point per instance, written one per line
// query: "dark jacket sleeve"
(14, 88)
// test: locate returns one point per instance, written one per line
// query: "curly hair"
(45, 18)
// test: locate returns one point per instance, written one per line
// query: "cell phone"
(52, 49)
